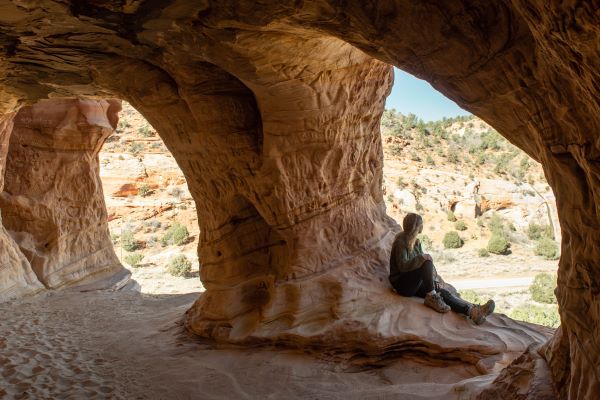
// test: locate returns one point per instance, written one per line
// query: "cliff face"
(272, 113)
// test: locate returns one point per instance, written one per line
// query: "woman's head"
(412, 224)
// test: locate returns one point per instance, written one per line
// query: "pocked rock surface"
(272, 110)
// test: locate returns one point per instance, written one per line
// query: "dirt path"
(462, 284)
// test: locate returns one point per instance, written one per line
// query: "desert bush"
(453, 156)
(145, 130)
(547, 248)
(179, 266)
(175, 192)
(471, 296)
(541, 315)
(451, 216)
(135, 148)
(460, 226)
(429, 160)
(114, 238)
(426, 241)
(498, 244)
(452, 240)
(536, 231)
(152, 223)
(128, 241)
(134, 259)
(414, 156)
(396, 150)
(144, 190)
(400, 183)
(177, 234)
(483, 252)
(542, 288)
(496, 224)
(480, 158)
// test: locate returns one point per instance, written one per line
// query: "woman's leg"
(456, 303)
(476, 312)
(417, 282)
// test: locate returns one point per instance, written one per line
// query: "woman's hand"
(427, 257)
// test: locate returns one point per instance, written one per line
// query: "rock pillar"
(52, 203)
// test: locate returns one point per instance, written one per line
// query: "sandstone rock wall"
(16, 276)
(274, 125)
(52, 203)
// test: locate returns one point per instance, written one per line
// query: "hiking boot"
(435, 301)
(477, 313)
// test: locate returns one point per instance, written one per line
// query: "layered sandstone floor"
(128, 345)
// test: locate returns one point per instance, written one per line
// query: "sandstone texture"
(271, 110)
(52, 203)
(16, 276)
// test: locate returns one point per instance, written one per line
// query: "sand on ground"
(131, 345)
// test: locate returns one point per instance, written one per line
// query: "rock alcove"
(272, 113)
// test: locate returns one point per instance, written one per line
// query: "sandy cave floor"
(130, 345)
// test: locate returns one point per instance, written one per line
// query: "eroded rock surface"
(272, 115)
(16, 276)
(52, 203)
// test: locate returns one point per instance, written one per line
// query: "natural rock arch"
(528, 68)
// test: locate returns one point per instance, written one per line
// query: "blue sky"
(412, 95)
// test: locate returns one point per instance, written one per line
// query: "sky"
(412, 95)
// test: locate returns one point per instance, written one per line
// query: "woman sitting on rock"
(412, 273)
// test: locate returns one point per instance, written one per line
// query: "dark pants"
(421, 281)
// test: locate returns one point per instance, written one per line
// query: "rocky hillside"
(460, 174)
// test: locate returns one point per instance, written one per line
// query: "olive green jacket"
(402, 259)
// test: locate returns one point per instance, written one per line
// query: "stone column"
(52, 203)
(16, 277)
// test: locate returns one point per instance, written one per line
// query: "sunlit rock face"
(52, 203)
(271, 112)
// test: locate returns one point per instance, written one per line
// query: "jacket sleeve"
(407, 261)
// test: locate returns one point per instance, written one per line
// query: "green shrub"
(400, 183)
(498, 244)
(451, 216)
(134, 259)
(453, 156)
(179, 266)
(483, 252)
(546, 248)
(480, 158)
(536, 232)
(426, 241)
(176, 234)
(145, 130)
(128, 241)
(496, 224)
(460, 226)
(541, 315)
(135, 148)
(429, 160)
(542, 288)
(144, 190)
(452, 240)
(471, 296)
